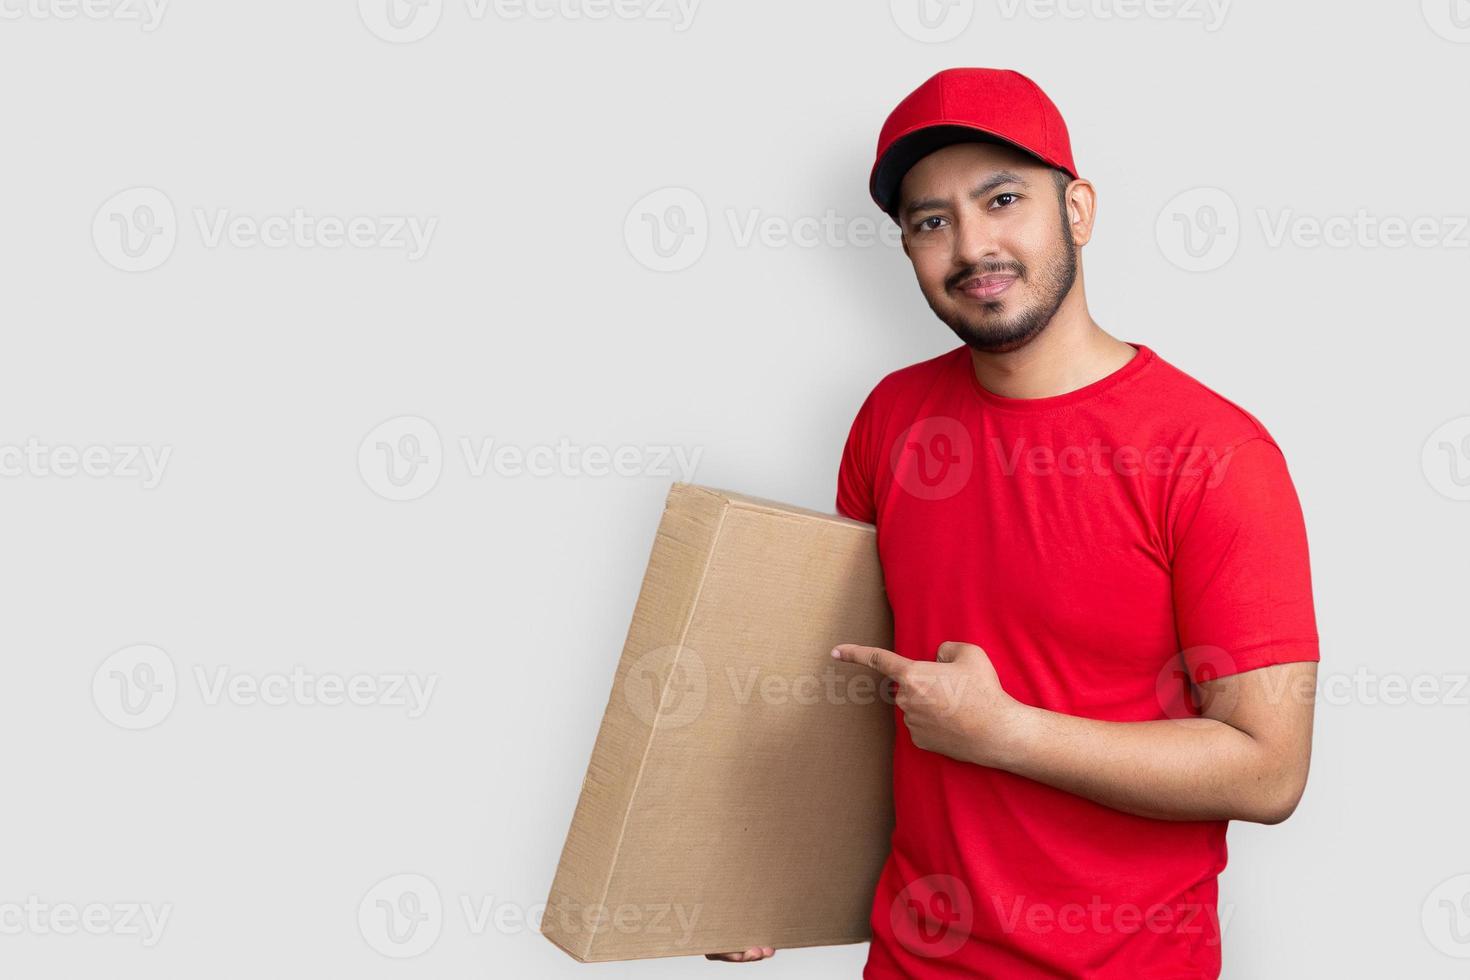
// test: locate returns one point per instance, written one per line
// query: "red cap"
(966, 104)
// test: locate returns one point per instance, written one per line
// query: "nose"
(974, 239)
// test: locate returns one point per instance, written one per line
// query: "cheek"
(932, 263)
(1034, 245)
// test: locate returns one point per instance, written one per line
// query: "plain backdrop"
(645, 233)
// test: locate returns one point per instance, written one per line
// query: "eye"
(924, 225)
(1001, 197)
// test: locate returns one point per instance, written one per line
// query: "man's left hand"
(953, 705)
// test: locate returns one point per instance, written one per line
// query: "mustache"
(1006, 268)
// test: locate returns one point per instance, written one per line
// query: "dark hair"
(1061, 179)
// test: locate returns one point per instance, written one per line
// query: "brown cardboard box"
(739, 791)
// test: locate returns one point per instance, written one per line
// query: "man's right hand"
(749, 956)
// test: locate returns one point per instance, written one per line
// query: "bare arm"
(1245, 758)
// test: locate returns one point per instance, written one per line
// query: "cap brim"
(909, 149)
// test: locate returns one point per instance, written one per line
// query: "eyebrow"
(997, 179)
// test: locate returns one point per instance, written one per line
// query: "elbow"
(1278, 798)
(1275, 812)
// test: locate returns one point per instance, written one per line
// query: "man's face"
(991, 246)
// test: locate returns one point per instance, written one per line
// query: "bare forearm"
(1184, 769)
(1244, 757)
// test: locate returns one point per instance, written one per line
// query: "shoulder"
(911, 383)
(1225, 462)
(1196, 412)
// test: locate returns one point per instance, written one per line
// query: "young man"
(1105, 646)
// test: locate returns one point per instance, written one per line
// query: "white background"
(537, 317)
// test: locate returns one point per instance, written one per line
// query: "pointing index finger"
(886, 662)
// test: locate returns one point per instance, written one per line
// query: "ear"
(1081, 203)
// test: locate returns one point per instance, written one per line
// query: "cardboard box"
(739, 792)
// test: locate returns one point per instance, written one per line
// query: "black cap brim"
(909, 150)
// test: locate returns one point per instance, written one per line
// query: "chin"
(996, 336)
(1006, 346)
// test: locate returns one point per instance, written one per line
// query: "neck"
(1072, 352)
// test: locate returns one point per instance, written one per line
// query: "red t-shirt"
(1096, 544)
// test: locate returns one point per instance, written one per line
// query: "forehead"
(966, 164)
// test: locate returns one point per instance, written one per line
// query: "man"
(1105, 645)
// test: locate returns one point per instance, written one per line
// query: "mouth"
(987, 287)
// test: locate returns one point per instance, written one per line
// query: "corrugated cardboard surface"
(739, 792)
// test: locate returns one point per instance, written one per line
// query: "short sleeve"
(855, 473)
(1241, 576)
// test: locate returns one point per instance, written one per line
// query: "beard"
(986, 330)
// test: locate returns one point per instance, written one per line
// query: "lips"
(987, 287)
